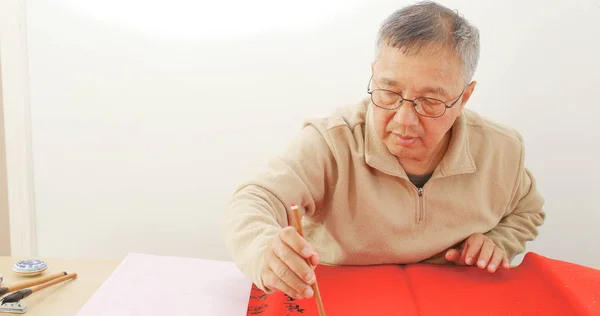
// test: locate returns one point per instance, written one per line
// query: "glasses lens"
(385, 99)
(430, 107)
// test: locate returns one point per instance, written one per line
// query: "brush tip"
(294, 206)
(14, 297)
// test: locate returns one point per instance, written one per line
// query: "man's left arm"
(524, 215)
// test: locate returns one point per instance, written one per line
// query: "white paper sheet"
(158, 285)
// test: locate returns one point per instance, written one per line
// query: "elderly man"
(406, 176)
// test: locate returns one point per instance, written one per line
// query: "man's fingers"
(274, 283)
(478, 250)
(292, 238)
(487, 250)
(285, 267)
(496, 260)
(463, 253)
(505, 263)
(285, 272)
(314, 259)
(452, 255)
(473, 246)
(294, 262)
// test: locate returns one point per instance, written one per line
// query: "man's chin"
(405, 155)
(403, 152)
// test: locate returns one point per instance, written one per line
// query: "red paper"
(539, 286)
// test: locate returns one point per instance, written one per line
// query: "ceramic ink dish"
(30, 267)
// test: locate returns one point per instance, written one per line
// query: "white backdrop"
(146, 115)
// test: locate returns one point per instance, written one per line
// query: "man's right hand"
(284, 267)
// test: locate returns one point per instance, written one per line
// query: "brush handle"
(27, 284)
(297, 219)
(53, 282)
(21, 294)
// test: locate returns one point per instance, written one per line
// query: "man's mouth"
(404, 140)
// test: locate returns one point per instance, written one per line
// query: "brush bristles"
(12, 298)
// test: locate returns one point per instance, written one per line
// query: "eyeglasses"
(390, 100)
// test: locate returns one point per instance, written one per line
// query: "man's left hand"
(479, 249)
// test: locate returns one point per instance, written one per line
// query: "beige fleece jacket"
(361, 208)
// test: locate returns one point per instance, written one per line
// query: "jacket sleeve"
(524, 214)
(258, 209)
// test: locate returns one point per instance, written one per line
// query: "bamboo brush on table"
(21, 294)
(23, 285)
(297, 223)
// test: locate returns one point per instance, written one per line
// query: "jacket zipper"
(420, 210)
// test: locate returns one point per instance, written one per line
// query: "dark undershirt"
(419, 180)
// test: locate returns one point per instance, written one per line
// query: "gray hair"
(423, 23)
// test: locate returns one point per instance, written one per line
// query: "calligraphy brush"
(297, 222)
(23, 285)
(19, 295)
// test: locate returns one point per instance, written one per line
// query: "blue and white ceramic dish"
(30, 267)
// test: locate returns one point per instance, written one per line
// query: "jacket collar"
(457, 160)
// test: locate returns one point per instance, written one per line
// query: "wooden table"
(64, 299)
(67, 298)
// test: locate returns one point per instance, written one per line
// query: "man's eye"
(430, 102)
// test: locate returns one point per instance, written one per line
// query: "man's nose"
(406, 115)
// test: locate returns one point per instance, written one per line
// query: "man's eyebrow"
(428, 89)
(388, 82)
(435, 90)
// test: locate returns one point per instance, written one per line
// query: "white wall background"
(146, 114)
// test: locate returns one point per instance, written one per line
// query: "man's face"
(433, 73)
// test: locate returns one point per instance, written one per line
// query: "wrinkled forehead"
(432, 65)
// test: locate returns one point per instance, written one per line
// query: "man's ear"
(467, 94)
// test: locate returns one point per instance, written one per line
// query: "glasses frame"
(413, 101)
